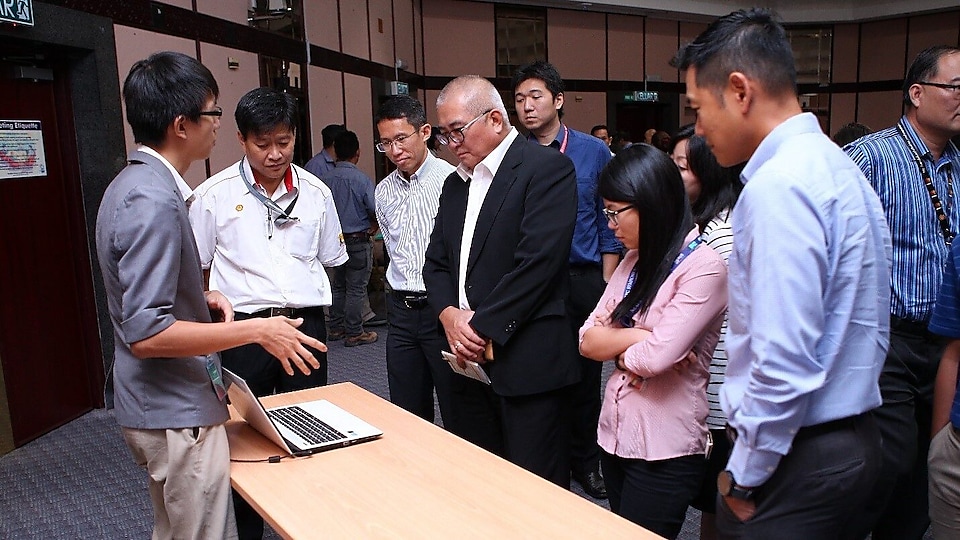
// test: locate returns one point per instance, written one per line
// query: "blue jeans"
(350, 287)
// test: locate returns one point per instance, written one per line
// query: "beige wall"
(469, 24)
(321, 25)
(625, 48)
(877, 109)
(359, 118)
(354, 31)
(583, 110)
(663, 40)
(381, 31)
(326, 102)
(406, 35)
(576, 43)
(233, 83)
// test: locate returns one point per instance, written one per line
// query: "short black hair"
(346, 145)
(262, 110)
(544, 71)
(399, 107)
(646, 177)
(750, 41)
(924, 68)
(329, 133)
(849, 133)
(598, 127)
(162, 87)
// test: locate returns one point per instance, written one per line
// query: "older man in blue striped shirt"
(913, 167)
(406, 204)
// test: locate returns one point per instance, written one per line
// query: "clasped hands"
(464, 341)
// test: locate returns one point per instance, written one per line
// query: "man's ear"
(241, 138)
(914, 92)
(741, 89)
(558, 101)
(497, 118)
(178, 127)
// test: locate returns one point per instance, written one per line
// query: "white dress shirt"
(480, 180)
(405, 211)
(256, 270)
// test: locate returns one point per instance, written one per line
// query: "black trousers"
(586, 288)
(899, 505)
(819, 490)
(265, 376)
(653, 494)
(529, 431)
(415, 367)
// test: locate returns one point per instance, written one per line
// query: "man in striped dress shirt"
(914, 167)
(406, 201)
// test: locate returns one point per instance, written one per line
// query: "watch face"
(724, 483)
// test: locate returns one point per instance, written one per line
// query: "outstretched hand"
(280, 338)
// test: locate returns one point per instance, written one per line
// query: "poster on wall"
(21, 149)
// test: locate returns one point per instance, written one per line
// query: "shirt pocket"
(303, 238)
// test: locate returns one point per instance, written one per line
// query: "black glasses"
(455, 136)
(611, 215)
(396, 142)
(955, 88)
(217, 111)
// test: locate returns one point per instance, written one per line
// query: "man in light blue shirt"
(808, 294)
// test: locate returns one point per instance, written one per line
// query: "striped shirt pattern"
(718, 234)
(406, 210)
(919, 250)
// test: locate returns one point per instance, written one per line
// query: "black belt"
(290, 313)
(356, 237)
(906, 326)
(812, 431)
(580, 269)
(412, 299)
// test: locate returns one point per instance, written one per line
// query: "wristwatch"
(728, 487)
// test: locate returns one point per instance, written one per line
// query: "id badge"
(216, 378)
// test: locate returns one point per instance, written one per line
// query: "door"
(49, 338)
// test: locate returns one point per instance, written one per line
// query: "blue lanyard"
(627, 320)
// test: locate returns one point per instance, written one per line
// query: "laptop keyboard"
(311, 428)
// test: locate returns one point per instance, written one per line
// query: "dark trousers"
(529, 431)
(899, 504)
(349, 286)
(586, 288)
(265, 376)
(820, 488)
(653, 494)
(415, 367)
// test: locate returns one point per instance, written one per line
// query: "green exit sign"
(651, 97)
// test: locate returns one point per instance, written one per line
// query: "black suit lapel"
(502, 182)
(454, 212)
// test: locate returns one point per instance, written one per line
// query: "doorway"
(49, 338)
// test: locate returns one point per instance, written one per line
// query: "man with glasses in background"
(496, 273)
(406, 204)
(914, 168)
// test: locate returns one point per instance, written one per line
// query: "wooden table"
(417, 481)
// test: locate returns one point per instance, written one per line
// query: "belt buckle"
(282, 312)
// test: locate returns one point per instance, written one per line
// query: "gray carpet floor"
(80, 481)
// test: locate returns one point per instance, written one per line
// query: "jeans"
(350, 287)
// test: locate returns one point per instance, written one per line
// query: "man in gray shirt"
(170, 397)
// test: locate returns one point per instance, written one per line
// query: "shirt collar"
(419, 170)
(557, 140)
(287, 186)
(795, 125)
(492, 162)
(185, 190)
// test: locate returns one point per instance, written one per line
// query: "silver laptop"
(301, 428)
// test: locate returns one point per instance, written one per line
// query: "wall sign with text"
(17, 12)
(21, 149)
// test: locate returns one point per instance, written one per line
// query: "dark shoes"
(592, 484)
(362, 339)
(335, 335)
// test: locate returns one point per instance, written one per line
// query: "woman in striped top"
(712, 190)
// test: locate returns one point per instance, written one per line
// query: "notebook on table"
(300, 428)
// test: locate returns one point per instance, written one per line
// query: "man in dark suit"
(496, 272)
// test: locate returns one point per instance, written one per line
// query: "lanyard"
(283, 217)
(627, 320)
(563, 143)
(934, 197)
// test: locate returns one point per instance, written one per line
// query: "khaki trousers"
(944, 478)
(189, 481)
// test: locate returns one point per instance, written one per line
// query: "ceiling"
(790, 11)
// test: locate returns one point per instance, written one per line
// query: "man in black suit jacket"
(496, 272)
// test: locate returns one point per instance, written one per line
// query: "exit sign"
(642, 96)
(17, 12)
